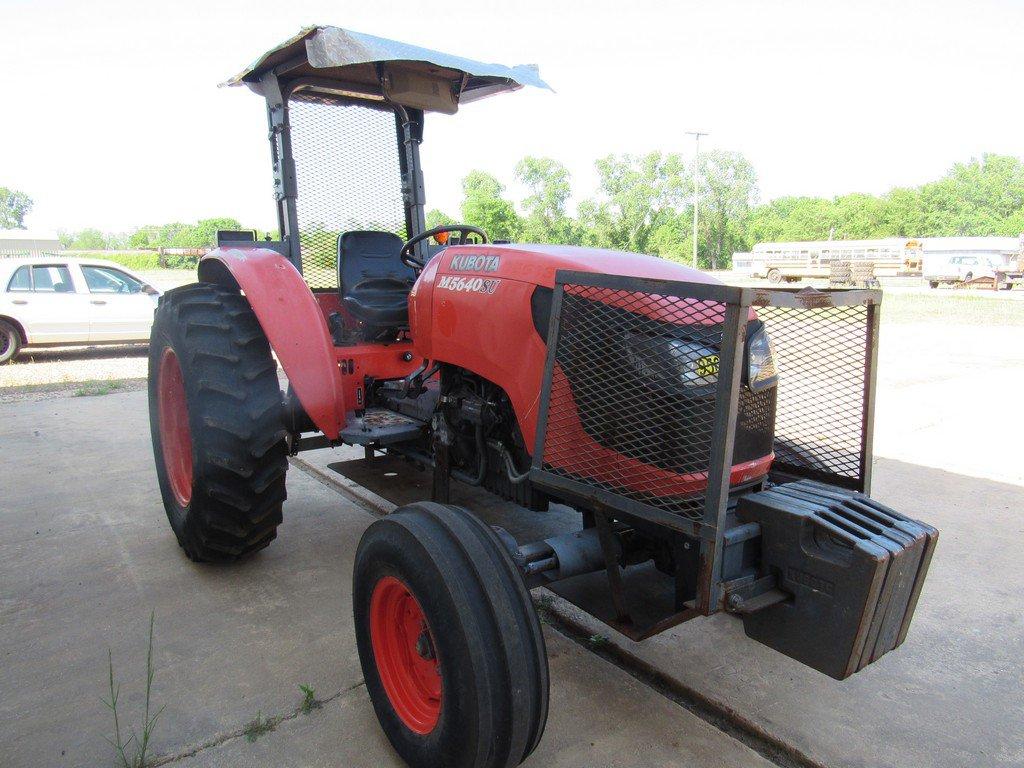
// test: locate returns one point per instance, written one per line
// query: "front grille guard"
(633, 426)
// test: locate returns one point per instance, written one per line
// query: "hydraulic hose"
(514, 475)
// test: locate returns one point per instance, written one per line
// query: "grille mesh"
(821, 355)
(618, 415)
(348, 175)
(633, 394)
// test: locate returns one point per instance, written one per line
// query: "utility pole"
(696, 188)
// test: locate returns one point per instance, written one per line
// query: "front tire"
(451, 649)
(215, 421)
(774, 276)
(10, 341)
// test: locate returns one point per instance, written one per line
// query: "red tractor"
(715, 442)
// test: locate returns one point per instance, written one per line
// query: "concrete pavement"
(951, 695)
(86, 554)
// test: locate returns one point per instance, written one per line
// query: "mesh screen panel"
(348, 176)
(821, 355)
(633, 393)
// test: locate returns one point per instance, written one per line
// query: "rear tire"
(461, 680)
(10, 341)
(215, 420)
(774, 276)
(933, 283)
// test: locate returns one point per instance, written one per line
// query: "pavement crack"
(239, 733)
(714, 713)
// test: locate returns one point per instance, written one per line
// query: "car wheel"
(968, 277)
(933, 283)
(774, 276)
(10, 341)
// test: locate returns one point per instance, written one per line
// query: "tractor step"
(381, 426)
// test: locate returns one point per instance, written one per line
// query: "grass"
(544, 605)
(97, 388)
(258, 727)
(598, 641)
(951, 307)
(133, 751)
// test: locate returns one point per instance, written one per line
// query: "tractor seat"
(373, 282)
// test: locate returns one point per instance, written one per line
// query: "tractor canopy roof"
(360, 66)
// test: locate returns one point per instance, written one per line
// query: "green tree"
(202, 234)
(639, 194)
(436, 218)
(728, 192)
(484, 207)
(14, 207)
(673, 239)
(546, 220)
(88, 240)
(860, 217)
(903, 213)
(144, 237)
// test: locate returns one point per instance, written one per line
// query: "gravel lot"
(71, 370)
(46, 372)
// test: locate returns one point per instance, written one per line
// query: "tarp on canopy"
(344, 55)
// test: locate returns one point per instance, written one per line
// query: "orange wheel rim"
(404, 651)
(175, 435)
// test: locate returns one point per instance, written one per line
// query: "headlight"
(696, 365)
(761, 371)
(669, 362)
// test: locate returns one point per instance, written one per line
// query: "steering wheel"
(408, 254)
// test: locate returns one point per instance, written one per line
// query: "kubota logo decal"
(472, 263)
(468, 284)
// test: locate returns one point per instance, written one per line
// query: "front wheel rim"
(175, 434)
(405, 655)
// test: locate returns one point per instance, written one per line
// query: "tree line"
(643, 204)
(177, 234)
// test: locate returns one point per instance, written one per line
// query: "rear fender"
(295, 327)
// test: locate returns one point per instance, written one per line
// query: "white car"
(51, 301)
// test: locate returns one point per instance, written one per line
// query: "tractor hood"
(538, 263)
(377, 68)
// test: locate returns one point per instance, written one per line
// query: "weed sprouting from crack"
(133, 751)
(259, 726)
(309, 699)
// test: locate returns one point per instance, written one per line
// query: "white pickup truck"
(967, 268)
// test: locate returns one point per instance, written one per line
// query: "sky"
(112, 117)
